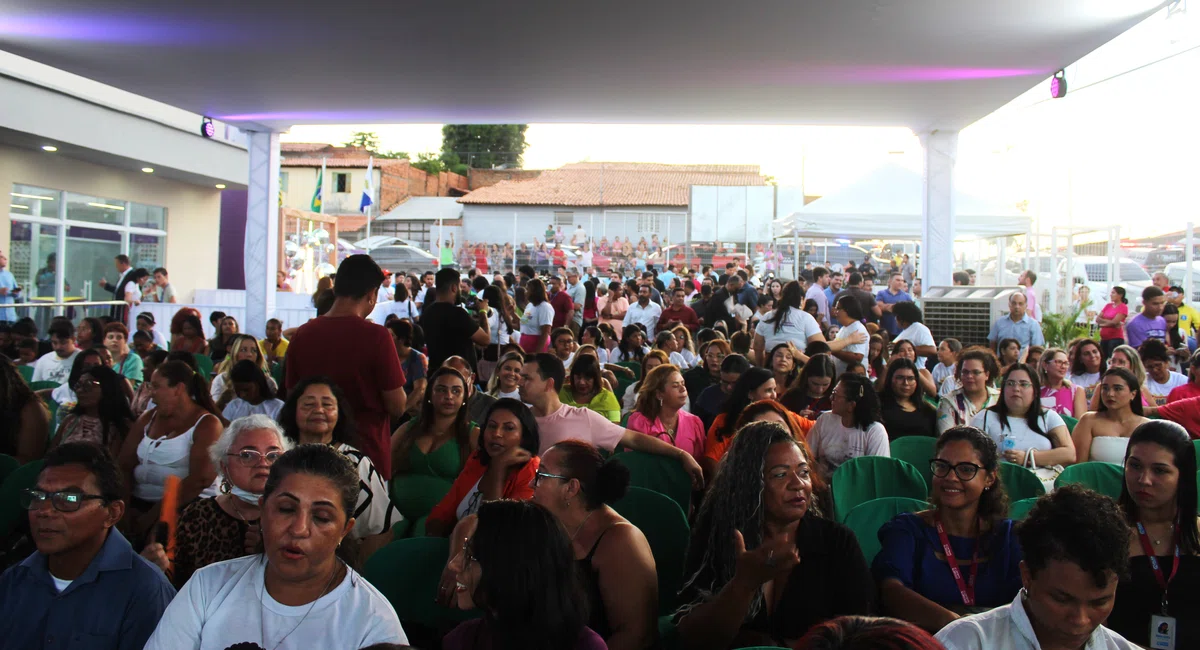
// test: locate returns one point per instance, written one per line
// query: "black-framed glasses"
(85, 383)
(62, 501)
(964, 471)
(250, 457)
(538, 476)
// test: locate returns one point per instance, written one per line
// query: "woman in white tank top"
(1103, 435)
(170, 440)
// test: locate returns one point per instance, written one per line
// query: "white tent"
(886, 204)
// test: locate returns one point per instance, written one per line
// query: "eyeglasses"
(905, 379)
(62, 501)
(85, 384)
(1018, 384)
(972, 373)
(250, 457)
(964, 471)
(538, 476)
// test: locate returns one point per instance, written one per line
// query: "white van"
(1176, 273)
(1092, 272)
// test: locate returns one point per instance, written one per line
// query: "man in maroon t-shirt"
(564, 307)
(357, 355)
(678, 313)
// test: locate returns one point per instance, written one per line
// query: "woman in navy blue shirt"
(969, 517)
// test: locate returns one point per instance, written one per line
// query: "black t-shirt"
(866, 300)
(900, 423)
(448, 331)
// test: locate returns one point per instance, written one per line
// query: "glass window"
(32, 259)
(147, 251)
(147, 216)
(90, 253)
(81, 207)
(27, 200)
(283, 181)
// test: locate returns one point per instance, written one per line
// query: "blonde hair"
(1043, 361)
(231, 356)
(1135, 361)
(648, 403)
(687, 337)
(493, 387)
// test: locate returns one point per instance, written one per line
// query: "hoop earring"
(226, 488)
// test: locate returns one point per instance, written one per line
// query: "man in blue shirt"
(668, 275)
(835, 285)
(8, 291)
(893, 294)
(1016, 325)
(84, 588)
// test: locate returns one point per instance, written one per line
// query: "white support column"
(262, 231)
(937, 227)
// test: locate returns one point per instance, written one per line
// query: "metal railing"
(76, 310)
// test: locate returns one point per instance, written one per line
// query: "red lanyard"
(1158, 574)
(965, 589)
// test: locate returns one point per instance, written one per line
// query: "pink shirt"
(1110, 312)
(578, 423)
(1060, 400)
(689, 431)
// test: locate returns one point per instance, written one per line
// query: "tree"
(396, 155)
(483, 146)
(368, 140)
(430, 163)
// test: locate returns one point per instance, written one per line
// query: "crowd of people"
(227, 492)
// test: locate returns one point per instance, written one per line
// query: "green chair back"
(1070, 422)
(861, 479)
(1018, 509)
(624, 382)
(916, 451)
(1104, 478)
(659, 473)
(666, 529)
(1196, 444)
(10, 490)
(43, 385)
(277, 373)
(8, 465)
(416, 494)
(204, 366)
(407, 573)
(26, 373)
(866, 519)
(1020, 483)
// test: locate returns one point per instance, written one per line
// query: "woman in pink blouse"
(659, 411)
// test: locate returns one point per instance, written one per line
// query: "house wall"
(492, 223)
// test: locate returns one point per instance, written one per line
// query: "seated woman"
(784, 362)
(307, 507)
(64, 394)
(1058, 394)
(684, 345)
(503, 466)
(608, 379)
(850, 429)
(243, 348)
(878, 633)
(414, 364)
(1025, 432)
(143, 397)
(652, 360)
(967, 527)
(517, 567)
(100, 415)
(187, 332)
(506, 379)
(761, 568)
(1076, 547)
(755, 384)
(126, 362)
(1103, 435)
(633, 345)
(660, 411)
(809, 397)
(904, 349)
(170, 440)
(1008, 351)
(252, 394)
(902, 404)
(26, 422)
(584, 388)
(576, 485)
(771, 411)
(226, 526)
(1125, 357)
(317, 412)
(973, 372)
(665, 341)
(708, 372)
(1159, 501)
(1088, 366)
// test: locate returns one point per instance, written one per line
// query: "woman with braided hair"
(761, 568)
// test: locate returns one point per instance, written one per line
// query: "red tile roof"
(302, 147)
(339, 162)
(614, 184)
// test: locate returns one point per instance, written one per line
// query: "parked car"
(1159, 258)
(1177, 272)
(402, 257)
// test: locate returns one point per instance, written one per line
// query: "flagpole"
(321, 185)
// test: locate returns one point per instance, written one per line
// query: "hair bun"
(612, 481)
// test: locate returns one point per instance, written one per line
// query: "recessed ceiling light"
(49, 147)
(148, 170)
(18, 206)
(220, 186)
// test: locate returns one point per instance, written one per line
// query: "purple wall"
(231, 273)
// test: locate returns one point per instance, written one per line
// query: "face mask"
(248, 497)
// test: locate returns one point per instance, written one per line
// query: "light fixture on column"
(49, 147)
(148, 170)
(206, 128)
(220, 186)
(1058, 85)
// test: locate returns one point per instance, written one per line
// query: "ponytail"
(178, 372)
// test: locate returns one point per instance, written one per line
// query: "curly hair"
(991, 365)
(993, 503)
(1074, 524)
(754, 413)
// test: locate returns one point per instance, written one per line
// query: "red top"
(361, 359)
(562, 304)
(1110, 311)
(684, 314)
(1185, 391)
(1184, 412)
(518, 485)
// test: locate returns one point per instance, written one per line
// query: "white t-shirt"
(406, 309)
(226, 604)
(133, 293)
(1018, 429)
(1008, 627)
(1087, 379)
(940, 372)
(496, 328)
(535, 317)
(919, 335)
(797, 327)
(240, 408)
(647, 316)
(51, 367)
(833, 443)
(375, 512)
(863, 348)
(1158, 392)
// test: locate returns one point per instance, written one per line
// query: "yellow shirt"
(1189, 320)
(280, 348)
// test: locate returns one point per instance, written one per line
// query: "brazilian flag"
(317, 194)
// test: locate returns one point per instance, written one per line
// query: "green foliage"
(1063, 327)
(392, 155)
(368, 140)
(483, 146)
(430, 163)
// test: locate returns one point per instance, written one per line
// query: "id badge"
(1162, 632)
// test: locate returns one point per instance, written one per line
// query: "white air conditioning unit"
(964, 313)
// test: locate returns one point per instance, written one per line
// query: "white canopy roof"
(886, 203)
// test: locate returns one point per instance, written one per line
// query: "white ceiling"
(924, 64)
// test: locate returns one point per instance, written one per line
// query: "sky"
(1118, 149)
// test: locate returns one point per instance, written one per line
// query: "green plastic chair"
(1018, 509)
(866, 519)
(1196, 444)
(1070, 422)
(864, 478)
(407, 573)
(277, 373)
(1104, 478)
(26, 373)
(659, 473)
(415, 495)
(916, 451)
(204, 366)
(666, 529)
(43, 385)
(10, 490)
(8, 465)
(1020, 483)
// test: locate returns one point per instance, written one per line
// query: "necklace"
(263, 608)
(580, 526)
(1170, 533)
